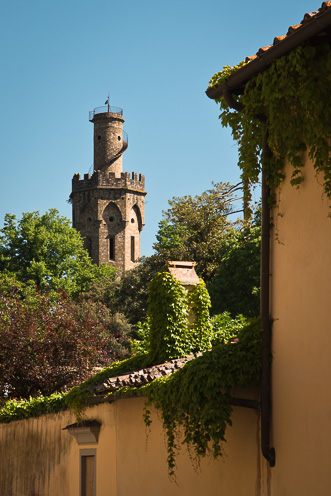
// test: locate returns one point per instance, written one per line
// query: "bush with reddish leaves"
(49, 344)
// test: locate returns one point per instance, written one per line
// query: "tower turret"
(110, 141)
(108, 207)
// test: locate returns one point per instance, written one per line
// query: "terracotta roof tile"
(277, 39)
(308, 17)
(140, 377)
(315, 27)
(292, 29)
(250, 57)
(263, 49)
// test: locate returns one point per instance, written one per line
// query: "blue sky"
(60, 59)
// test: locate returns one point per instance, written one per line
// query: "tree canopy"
(45, 251)
(226, 252)
(49, 345)
(193, 228)
(235, 288)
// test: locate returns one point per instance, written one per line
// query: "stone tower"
(108, 206)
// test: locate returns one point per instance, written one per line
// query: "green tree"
(193, 228)
(236, 286)
(197, 229)
(128, 295)
(46, 252)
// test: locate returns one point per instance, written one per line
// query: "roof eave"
(237, 80)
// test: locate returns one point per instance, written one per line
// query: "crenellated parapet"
(108, 206)
(99, 179)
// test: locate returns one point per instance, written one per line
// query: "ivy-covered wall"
(293, 96)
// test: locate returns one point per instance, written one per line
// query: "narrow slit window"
(111, 248)
(88, 246)
(132, 249)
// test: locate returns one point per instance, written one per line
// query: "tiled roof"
(308, 17)
(314, 27)
(140, 377)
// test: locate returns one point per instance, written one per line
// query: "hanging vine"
(195, 402)
(201, 330)
(294, 94)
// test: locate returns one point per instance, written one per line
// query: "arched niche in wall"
(86, 219)
(113, 218)
(135, 217)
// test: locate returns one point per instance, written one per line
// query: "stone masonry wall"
(103, 210)
(108, 141)
(108, 207)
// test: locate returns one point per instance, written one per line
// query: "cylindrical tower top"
(110, 141)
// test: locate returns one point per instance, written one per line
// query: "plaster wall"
(38, 458)
(142, 469)
(301, 367)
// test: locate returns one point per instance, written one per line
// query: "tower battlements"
(108, 206)
(129, 181)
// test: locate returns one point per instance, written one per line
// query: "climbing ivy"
(201, 330)
(224, 74)
(168, 314)
(294, 95)
(195, 401)
(171, 334)
(77, 398)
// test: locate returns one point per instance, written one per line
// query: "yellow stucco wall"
(38, 458)
(301, 367)
(142, 470)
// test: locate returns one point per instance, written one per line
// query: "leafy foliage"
(236, 285)
(140, 343)
(32, 407)
(168, 313)
(226, 328)
(77, 398)
(294, 90)
(48, 345)
(113, 328)
(224, 74)
(195, 401)
(44, 251)
(128, 294)
(171, 335)
(193, 228)
(200, 328)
